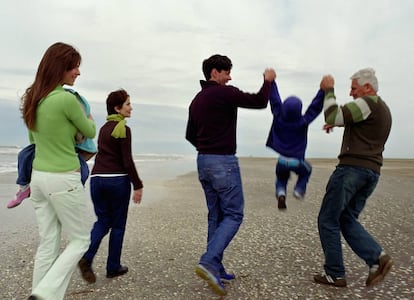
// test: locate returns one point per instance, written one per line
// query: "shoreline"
(274, 255)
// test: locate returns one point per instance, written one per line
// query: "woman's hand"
(137, 196)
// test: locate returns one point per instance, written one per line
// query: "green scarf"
(119, 129)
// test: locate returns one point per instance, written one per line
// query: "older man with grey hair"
(367, 124)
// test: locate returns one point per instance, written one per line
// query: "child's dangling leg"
(22, 193)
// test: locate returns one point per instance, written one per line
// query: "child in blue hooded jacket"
(288, 136)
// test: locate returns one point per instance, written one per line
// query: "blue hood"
(292, 109)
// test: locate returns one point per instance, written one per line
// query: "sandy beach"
(274, 255)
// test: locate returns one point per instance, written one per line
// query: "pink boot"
(20, 196)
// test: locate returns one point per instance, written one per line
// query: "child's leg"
(24, 164)
(84, 168)
(303, 171)
(282, 177)
(24, 167)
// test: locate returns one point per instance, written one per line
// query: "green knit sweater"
(367, 123)
(58, 117)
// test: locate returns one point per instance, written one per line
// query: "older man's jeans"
(220, 178)
(346, 194)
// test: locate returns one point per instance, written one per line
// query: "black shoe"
(87, 273)
(32, 298)
(281, 202)
(121, 271)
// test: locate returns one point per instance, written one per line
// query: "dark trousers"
(110, 197)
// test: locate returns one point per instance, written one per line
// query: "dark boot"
(87, 273)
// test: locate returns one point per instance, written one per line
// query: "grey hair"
(365, 76)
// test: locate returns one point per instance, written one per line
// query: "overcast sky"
(154, 50)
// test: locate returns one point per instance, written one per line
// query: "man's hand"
(328, 128)
(327, 82)
(269, 74)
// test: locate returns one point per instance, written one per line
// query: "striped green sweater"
(367, 122)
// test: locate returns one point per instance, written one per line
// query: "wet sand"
(274, 255)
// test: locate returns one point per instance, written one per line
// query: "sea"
(153, 169)
(150, 166)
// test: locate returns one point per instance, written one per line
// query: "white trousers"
(59, 201)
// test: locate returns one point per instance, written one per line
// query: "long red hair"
(58, 59)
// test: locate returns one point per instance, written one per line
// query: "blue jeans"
(110, 197)
(346, 194)
(286, 165)
(25, 163)
(220, 178)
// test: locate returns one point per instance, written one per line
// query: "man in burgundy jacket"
(211, 129)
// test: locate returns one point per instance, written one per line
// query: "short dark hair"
(116, 99)
(218, 62)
